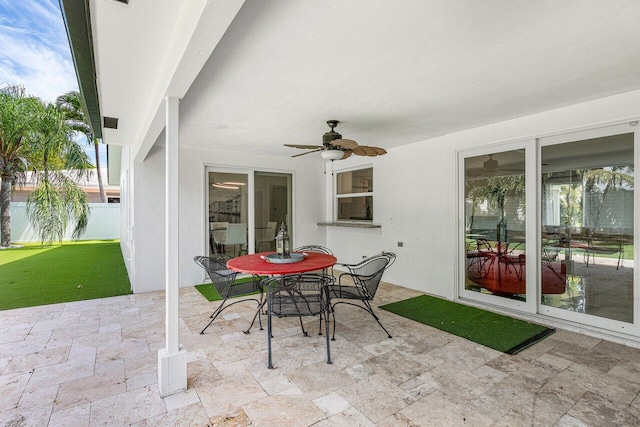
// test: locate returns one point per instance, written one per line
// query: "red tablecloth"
(253, 264)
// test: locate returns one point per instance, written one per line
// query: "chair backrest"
(268, 233)
(368, 273)
(219, 230)
(237, 234)
(314, 248)
(297, 295)
(221, 277)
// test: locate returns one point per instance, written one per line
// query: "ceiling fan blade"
(347, 144)
(308, 152)
(347, 154)
(379, 151)
(306, 147)
(359, 151)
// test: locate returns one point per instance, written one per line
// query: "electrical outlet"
(400, 244)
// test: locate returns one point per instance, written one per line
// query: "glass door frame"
(251, 221)
(583, 318)
(250, 202)
(531, 243)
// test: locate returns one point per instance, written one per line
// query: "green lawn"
(71, 271)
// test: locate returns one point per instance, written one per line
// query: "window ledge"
(349, 224)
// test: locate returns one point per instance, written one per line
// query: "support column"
(172, 362)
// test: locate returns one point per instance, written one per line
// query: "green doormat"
(493, 330)
(209, 291)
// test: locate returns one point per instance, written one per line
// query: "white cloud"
(35, 52)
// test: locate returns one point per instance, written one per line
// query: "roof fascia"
(77, 22)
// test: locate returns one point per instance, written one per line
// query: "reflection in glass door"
(272, 203)
(587, 225)
(494, 213)
(228, 213)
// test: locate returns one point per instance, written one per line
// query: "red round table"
(254, 264)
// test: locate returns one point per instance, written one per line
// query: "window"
(354, 195)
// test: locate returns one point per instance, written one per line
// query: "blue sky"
(35, 51)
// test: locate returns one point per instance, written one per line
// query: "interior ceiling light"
(225, 186)
(233, 183)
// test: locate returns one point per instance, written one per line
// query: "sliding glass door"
(587, 227)
(245, 210)
(494, 264)
(228, 213)
(272, 207)
(548, 226)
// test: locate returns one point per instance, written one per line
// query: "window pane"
(271, 201)
(495, 224)
(228, 214)
(355, 208)
(587, 226)
(357, 181)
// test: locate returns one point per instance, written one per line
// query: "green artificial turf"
(493, 330)
(209, 291)
(71, 271)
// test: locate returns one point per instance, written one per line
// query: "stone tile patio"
(94, 363)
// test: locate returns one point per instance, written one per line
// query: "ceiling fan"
(491, 167)
(335, 148)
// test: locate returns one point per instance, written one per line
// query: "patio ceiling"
(394, 73)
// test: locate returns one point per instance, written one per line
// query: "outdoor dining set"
(297, 283)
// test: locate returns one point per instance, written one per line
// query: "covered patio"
(95, 363)
(199, 93)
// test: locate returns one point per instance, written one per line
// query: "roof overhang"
(77, 19)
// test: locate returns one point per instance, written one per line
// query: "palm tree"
(571, 204)
(495, 191)
(70, 104)
(35, 138)
(606, 179)
(17, 112)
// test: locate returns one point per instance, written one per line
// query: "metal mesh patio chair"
(313, 248)
(318, 249)
(296, 296)
(224, 281)
(365, 277)
(329, 271)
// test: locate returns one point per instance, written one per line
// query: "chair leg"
(258, 315)
(333, 312)
(214, 315)
(269, 361)
(302, 326)
(367, 307)
(370, 310)
(326, 327)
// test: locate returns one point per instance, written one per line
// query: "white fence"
(104, 223)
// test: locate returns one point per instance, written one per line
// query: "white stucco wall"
(414, 199)
(415, 192)
(148, 241)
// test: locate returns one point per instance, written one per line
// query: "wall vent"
(110, 122)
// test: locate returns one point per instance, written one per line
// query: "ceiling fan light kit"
(332, 154)
(334, 147)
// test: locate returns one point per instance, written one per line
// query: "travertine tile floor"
(94, 363)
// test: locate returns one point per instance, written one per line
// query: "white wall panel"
(104, 223)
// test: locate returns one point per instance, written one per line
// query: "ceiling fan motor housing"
(331, 135)
(491, 164)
